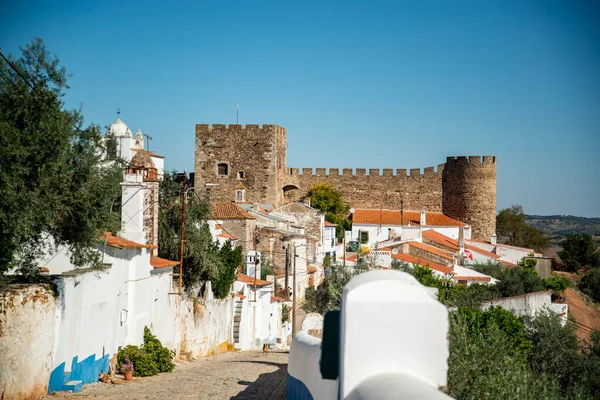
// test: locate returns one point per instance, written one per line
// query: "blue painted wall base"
(295, 389)
(86, 371)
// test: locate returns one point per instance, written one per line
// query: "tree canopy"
(203, 260)
(53, 183)
(325, 198)
(512, 229)
(579, 251)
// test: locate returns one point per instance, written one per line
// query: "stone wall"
(27, 325)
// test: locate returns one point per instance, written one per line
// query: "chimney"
(423, 221)
(255, 207)
(494, 239)
(132, 206)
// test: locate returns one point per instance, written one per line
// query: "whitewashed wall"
(26, 340)
(304, 376)
(528, 304)
(203, 327)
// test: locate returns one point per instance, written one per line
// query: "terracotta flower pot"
(128, 375)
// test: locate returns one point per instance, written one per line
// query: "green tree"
(201, 258)
(53, 183)
(325, 198)
(231, 259)
(579, 251)
(512, 229)
(590, 284)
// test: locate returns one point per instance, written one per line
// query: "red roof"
(149, 153)
(248, 279)
(279, 299)
(453, 244)
(311, 269)
(327, 223)
(409, 258)
(158, 262)
(226, 235)
(124, 243)
(433, 250)
(229, 211)
(393, 217)
(472, 278)
(241, 296)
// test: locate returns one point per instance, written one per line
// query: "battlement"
(224, 129)
(362, 172)
(473, 160)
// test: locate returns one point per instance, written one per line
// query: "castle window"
(241, 175)
(223, 169)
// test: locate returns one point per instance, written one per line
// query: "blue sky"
(357, 84)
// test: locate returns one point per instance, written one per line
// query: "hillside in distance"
(556, 227)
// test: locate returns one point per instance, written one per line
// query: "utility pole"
(182, 229)
(287, 269)
(294, 293)
(255, 260)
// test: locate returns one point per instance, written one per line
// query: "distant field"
(556, 227)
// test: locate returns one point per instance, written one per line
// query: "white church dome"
(118, 128)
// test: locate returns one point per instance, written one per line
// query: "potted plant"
(127, 369)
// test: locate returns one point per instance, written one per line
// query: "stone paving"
(244, 375)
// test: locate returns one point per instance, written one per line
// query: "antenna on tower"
(118, 113)
(237, 115)
(148, 139)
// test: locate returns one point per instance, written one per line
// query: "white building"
(371, 227)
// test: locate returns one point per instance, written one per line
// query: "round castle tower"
(469, 193)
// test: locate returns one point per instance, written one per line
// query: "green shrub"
(143, 364)
(162, 357)
(149, 359)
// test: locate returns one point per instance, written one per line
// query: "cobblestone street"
(245, 375)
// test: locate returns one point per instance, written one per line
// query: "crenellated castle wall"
(373, 188)
(463, 188)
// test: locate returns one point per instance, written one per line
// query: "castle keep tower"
(252, 156)
(469, 193)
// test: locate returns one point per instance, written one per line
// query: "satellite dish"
(394, 251)
(352, 211)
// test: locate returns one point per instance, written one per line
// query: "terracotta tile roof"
(440, 239)
(453, 244)
(394, 217)
(241, 296)
(327, 223)
(44, 270)
(409, 258)
(149, 153)
(229, 211)
(248, 279)
(226, 235)
(116, 241)
(508, 263)
(472, 278)
(482, 251)
(276, 299)
(158, 262)
(218, 226)
(311, 269)
(389, 249)
(434, 250)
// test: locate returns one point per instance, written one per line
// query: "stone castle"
(249, 164)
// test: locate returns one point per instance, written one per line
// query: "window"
(111, 148)
(240, 195)
(241, 175)
(364, 237)
(223, 169)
